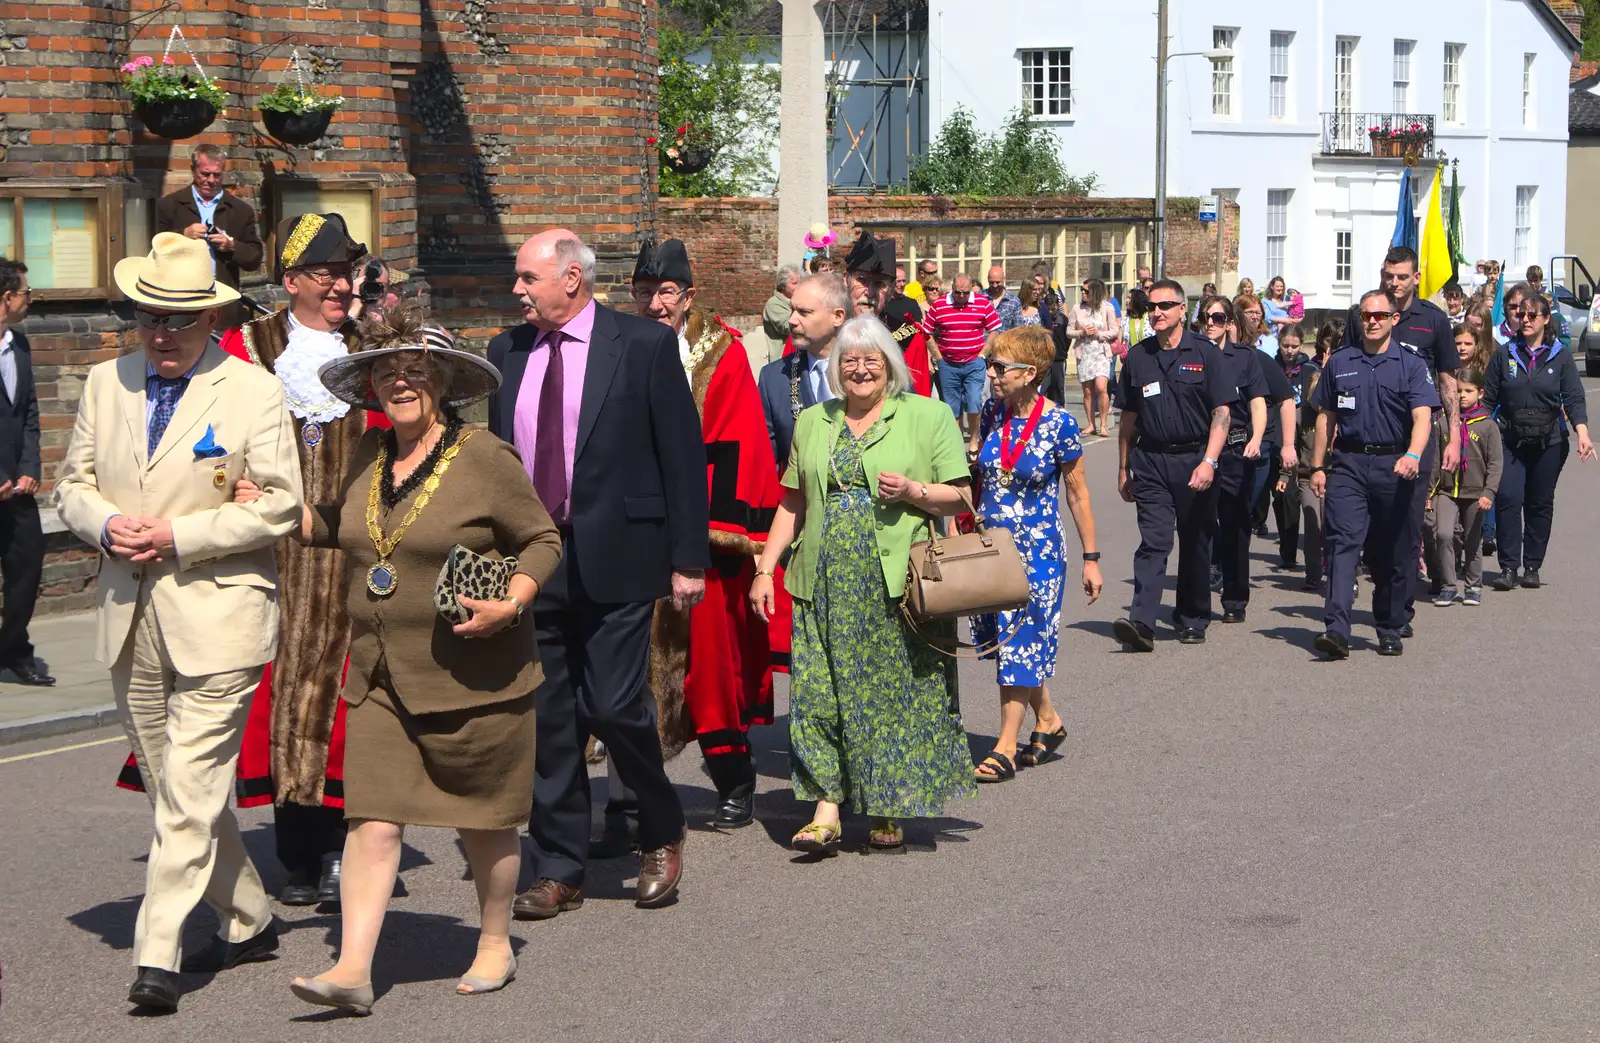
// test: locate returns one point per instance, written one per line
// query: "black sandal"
(1041, 745)
(1004, 770)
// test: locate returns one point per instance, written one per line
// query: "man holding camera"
(205, 210)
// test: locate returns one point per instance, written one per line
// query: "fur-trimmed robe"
(711, 667)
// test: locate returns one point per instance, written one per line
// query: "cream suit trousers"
(186, 733)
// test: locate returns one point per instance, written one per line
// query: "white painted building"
(1283, 124)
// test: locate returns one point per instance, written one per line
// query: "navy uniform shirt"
(1371, 396)
(1422, 329)
(1172, 393)
(1278, 390)
(1546, 378)
(1245, 373)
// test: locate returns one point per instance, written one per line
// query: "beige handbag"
(968, 574)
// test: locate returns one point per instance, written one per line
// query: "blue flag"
(1405, 215)
(1499, 315)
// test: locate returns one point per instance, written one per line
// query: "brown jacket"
(486, 503)
(176, 211)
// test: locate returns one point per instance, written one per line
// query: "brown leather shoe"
(659, 872)
(546, 899)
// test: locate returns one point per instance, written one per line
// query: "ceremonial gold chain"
(386, 545)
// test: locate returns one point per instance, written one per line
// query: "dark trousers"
(1370, 508)
(1419, 508)
(1525, 505)
(1054, 385)
(1167, 508)
(594, 658)
(21, 566)
(1298, 508)
(305, 834)
(1237, 483)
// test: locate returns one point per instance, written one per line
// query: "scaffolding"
(878, 47)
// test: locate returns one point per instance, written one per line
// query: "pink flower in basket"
(144, 60)
(166, 60)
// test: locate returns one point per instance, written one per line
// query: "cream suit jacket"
(217, 605)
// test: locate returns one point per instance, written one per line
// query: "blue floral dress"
(872, 717)
(1030, 507)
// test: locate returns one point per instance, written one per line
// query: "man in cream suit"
(188, 610)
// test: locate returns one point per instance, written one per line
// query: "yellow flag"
(1434, 267)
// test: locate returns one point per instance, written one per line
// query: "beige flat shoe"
(473, 985)
(321, 993)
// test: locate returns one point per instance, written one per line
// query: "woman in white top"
(1093, 327)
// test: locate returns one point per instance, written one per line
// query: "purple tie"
(549, 441)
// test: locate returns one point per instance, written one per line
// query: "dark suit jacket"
(176, 211)
(19, 419)
(774, 383)
(639, 506)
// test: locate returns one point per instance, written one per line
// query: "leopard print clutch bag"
(474, 575)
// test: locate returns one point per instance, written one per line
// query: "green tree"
(1023, 159)
(717, 79)
(1591, 30)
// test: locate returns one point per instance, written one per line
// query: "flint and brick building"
(468, 126)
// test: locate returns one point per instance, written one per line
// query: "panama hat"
(349, 378)
(175, 275)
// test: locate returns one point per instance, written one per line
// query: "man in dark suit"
(818, 308)
(597, 403)
(206, 210)
(21, 537)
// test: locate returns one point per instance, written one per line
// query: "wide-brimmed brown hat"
(349, 378)
(176, 275)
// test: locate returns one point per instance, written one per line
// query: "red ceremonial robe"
(724, 667)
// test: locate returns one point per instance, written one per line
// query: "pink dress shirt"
(574, 361)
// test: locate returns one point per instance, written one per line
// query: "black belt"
(1237, 436)
(1370, 450)
(1151, 446)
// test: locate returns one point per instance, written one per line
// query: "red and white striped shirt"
(961, 332)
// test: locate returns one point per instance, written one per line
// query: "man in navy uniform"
(1174, 392)
(1382, 397)
(1422, 328)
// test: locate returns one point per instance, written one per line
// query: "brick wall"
(484, 121)
(733, 243)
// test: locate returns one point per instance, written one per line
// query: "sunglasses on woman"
(176, 322)
(1217, 318)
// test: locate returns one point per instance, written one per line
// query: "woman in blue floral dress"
(1026, 447)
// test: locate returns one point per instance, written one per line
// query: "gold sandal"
(818, 838)
(886, 835)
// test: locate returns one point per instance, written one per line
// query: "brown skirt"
(462, 769)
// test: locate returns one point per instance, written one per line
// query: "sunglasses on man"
(176, 322)
(1370, 317)
(1165, 305)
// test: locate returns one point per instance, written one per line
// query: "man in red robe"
(711, 668)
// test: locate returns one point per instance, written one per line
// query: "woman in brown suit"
(440, 727)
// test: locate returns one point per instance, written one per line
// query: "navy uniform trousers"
(1167, 507)
(1238, 482)
(1369, 507)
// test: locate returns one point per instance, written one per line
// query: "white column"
(802, 129)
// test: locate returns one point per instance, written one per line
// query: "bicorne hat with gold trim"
(312, 239)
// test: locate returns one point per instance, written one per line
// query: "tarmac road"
(1242, 843)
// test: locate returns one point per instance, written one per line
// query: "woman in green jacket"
(872, 720)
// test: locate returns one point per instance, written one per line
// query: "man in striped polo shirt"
(958, 324)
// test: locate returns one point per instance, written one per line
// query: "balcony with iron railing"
(1380, 135)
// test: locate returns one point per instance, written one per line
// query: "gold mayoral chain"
(382, 579)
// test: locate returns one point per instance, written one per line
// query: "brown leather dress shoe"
(546, 899)
(659, 872)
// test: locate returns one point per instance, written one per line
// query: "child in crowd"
(1461, 498)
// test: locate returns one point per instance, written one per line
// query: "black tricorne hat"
(668, 262)
(871, 256)
(313, 239)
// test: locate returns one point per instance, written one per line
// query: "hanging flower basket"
(689, 152)
(296, 113)
(172, 104)
(176, 119)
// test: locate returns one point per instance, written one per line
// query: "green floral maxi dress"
(871, 719)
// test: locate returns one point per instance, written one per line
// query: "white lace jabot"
(297, 367)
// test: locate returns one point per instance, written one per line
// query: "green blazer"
(920, 440)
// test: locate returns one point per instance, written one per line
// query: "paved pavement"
(1242, 843)
(81, 697)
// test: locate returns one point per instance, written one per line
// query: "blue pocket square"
(207, 447)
